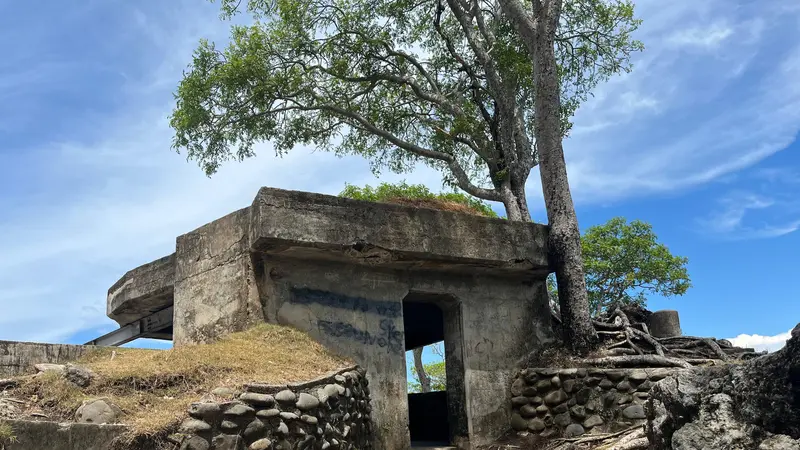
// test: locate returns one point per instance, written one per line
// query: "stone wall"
(331, 412)
(571, 402)
(18, 358)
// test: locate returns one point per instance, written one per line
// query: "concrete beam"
(317, 226)
(150, 326)
(142, 291)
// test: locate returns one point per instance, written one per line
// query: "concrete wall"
(18, 358)
(39, 435)
(358, 312)
(142, 291)
(215, 292)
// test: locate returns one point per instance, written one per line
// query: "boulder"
(77, 375)
(98, 411)
(754, 405)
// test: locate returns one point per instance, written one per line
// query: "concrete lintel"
(286, 222)
(142, 291)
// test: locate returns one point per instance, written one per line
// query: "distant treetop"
(420, 196)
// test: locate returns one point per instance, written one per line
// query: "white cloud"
(708, 37)
(761, 343)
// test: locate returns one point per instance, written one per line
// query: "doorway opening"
(436, 418)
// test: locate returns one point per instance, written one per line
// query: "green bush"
(391, 193)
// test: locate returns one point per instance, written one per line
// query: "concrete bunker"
(363, 279)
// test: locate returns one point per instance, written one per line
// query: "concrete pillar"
(665, 323)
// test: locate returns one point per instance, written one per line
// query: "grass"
(155, 387)
(6, 434)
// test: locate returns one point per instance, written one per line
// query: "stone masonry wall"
(18, 358)
(571, 402)
(331, 412)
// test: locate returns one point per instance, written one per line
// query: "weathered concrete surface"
(39, 435)
(18, 358)
(664, 323)
(142, 291)
(493, 323)
(380, 232)
(215, 293)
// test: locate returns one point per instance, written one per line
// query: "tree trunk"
(538, 33)
(424, 379)
(515, 203)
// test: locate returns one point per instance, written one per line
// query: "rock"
(637, 376)
(796, 331)
(555, 398)
(527, 411)
(223, 392)
(542, 410)
(543, 386)
(560, 409)
(658, 374)
(573, 430)
(228, 425)
(536, 425)
(536, 401)
(568, 373)
(98, 411)
(282, 429)
(239, 410)
(311, 420)
(624, 386)
(517, 387)
(529, 391)
(77, 375)
(615, 375)
(45, 367)
(664, 323)
(562, 420)
(194, 426)
(519, 401)
(306, 402)
(779, 442)
(624, 399)
(261, 444)
(645, 386)
(257, 399)
(254, 430)
(286, 396)
(583, 396)
(606, 384)
(226, 442)
(634, 412)
(578, 412)
(555, 381)
(569, 386)
(518, 423)
(289, 416)
(195, 443)
(592, 421)
(592, 381)
(205, 410)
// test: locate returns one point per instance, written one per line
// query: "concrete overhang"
(142, 291)
(316, 226)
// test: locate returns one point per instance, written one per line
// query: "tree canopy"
(446, 83)
(625, 263)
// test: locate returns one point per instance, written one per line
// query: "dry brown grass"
(6, 433)
(435, 203)
(154, 387)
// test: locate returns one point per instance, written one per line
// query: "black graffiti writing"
(389, 338)
(306, 296)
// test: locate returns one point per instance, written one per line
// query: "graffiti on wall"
(389, 338)
(307, 296)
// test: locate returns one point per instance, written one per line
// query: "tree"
(625, 263)
(447, 83)
(541, 29)
(428, 377)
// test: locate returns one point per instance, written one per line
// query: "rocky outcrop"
(755, 405)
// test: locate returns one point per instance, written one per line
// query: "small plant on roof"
(419, 195)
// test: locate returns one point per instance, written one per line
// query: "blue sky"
(700, 140)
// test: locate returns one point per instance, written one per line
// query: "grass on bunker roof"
(155, 387)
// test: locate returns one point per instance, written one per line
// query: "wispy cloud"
(769, 207)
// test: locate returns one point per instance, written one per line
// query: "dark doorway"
(436, 418)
